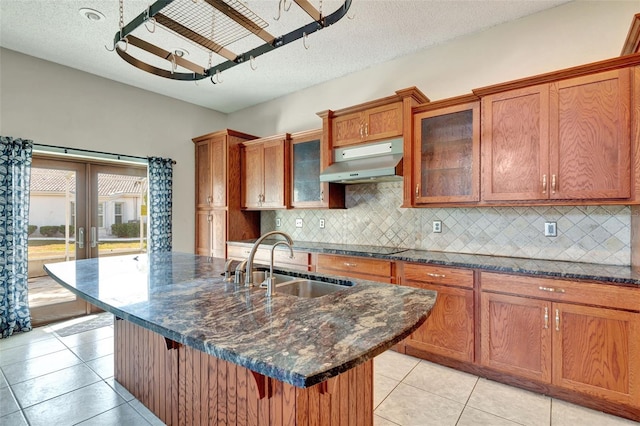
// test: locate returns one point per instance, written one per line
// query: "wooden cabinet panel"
(383, 122)
(447, 154)
(597, 351)
(203, 232)
(265, 182)
(218, 149)
(515, 141)
(516, 335)
(203, 174)
(253, 174)
(355, 266)
(218, 233)
(376, 123)
(590, 136)
(449, 330)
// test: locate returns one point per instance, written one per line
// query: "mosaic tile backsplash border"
(594, 234)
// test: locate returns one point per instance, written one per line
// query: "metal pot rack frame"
(154, 14)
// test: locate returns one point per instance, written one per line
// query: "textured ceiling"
(375, 31)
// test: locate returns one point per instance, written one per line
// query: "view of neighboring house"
(53, 201)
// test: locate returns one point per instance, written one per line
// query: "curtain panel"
(15, 177)
(160, 204)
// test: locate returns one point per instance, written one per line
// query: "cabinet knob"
(544, 184)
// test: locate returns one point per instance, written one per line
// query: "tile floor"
(47, 379)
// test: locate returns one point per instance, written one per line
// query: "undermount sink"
(303, 287)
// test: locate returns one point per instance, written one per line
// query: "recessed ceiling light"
(91, 14)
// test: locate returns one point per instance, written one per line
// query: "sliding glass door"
(79, 210)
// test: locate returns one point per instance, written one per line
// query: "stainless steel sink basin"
(308, 288)
(303, 287)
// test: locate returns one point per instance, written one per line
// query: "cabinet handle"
(553, 184)
(350, 264)
(209, 199)
(546, 317)
(557, 319)
(366, 129)
(361, 131)
(80, 239)
(431, 274)
(321, 195)
(544, 184)
(551, 289)
(209, 218)
(417, 189)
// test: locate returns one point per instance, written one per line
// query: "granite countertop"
(296, 340)
(619, 275)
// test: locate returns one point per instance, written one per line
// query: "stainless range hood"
(374, 162)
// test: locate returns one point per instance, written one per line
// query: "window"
(100, 215)
(117, 213)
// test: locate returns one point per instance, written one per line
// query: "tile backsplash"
(597, 234)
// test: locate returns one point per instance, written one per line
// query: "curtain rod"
(101, 154)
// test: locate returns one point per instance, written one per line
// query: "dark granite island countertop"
(299, 341)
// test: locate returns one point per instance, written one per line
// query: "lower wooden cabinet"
(365, 268)
(449, 330)
(592, 350)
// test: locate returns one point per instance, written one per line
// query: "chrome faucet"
(271, 280)
(237, 277)
(248, 277)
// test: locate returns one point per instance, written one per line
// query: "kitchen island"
(196, 349)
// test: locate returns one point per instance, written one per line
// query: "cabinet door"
(306, 188)
(219, 233)
(348, 129)
(597, 351)
(447, 154)
(383, 122)
(218, 172)
(515, 144)
(590, 145)
(203, 232)
(449, 329)
(516, 335)
(253, 173)
(274, 169)
(203, 175)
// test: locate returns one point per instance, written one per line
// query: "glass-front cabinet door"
(308, 158)
(447, 154)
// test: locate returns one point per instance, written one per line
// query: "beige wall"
(572, 34)
(56, 105)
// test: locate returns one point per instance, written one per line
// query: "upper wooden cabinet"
(369, 125)
(308, 158)
(217, 180)
(265, 173)
(565, 140)
(446, 152)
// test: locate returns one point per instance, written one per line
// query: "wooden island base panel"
(185, 386)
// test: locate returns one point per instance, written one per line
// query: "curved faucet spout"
(248, 276)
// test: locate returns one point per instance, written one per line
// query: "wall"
(598, 234)
(56, 105)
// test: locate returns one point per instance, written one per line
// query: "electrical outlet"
(437, 226)
(298, 223)
(321, 223)
(278, 222)
(550, 229)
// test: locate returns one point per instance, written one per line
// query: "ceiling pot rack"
(155, 16)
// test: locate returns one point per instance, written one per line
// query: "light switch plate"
(321, 223)
(278, 222)
(437, 226)
(550, 229)
(298, 223)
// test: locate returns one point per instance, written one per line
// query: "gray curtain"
(15, 177)
(160, 203)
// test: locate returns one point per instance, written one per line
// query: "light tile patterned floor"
(46, 379)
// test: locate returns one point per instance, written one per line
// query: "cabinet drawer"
(606, 295)
(413, 272)
(352, 265)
